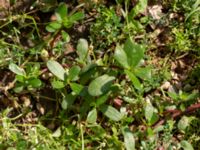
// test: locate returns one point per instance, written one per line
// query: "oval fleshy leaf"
(149, 110)
(68, 100)
(34, 82)
(53, 26)
(56, 84)
(100, 85)
(74, 72)
(17, 70)
(76, 88)
(111, 113)
(129, 139)
(143, 73)
(77, 16)
(61, 11)
(56, 69)
(134, 52)
(134, 79)
(92, 116)
(82, 49)
(186, 145)
(121, 57)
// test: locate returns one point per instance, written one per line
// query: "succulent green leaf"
(143, 73)
(134, 52)
(56, 84)
(16, 69)
(82, 49)
(53, 26)
(57, 133)
(61, 11)
(191, 96)
(18, 88)
(111, 112)
(134, 79)
(20, 78)
(121, 56)
(140, 7)
(149, 110)
(65, 36)
(173, 95)
(64, 104)
(92, 116)
(150, 114)
(56, 69)
(102, 99)
(77, 16)
(183, 123)
(73, 73)
(100, 85)
(67, 101)
(76, 88)
(186, 145)
(129, 139)
(34, 82)
(154, 119)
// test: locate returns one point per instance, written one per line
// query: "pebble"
(165, 85)
(40, 108)
(172, 89)
(174, 75)
(26, 101)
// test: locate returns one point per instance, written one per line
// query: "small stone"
(173, 15)
(172, 89)
(147, 99)
(26, 101)
(15, 104)
(30, 43)
(178, 85)
(157, 94)
(174, 75)
(45, 76)
(40, 108)
(166, 85)
(53, 18)
(155, 11)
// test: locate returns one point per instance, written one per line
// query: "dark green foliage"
(108, 77)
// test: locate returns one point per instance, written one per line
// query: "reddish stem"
(176, 113)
